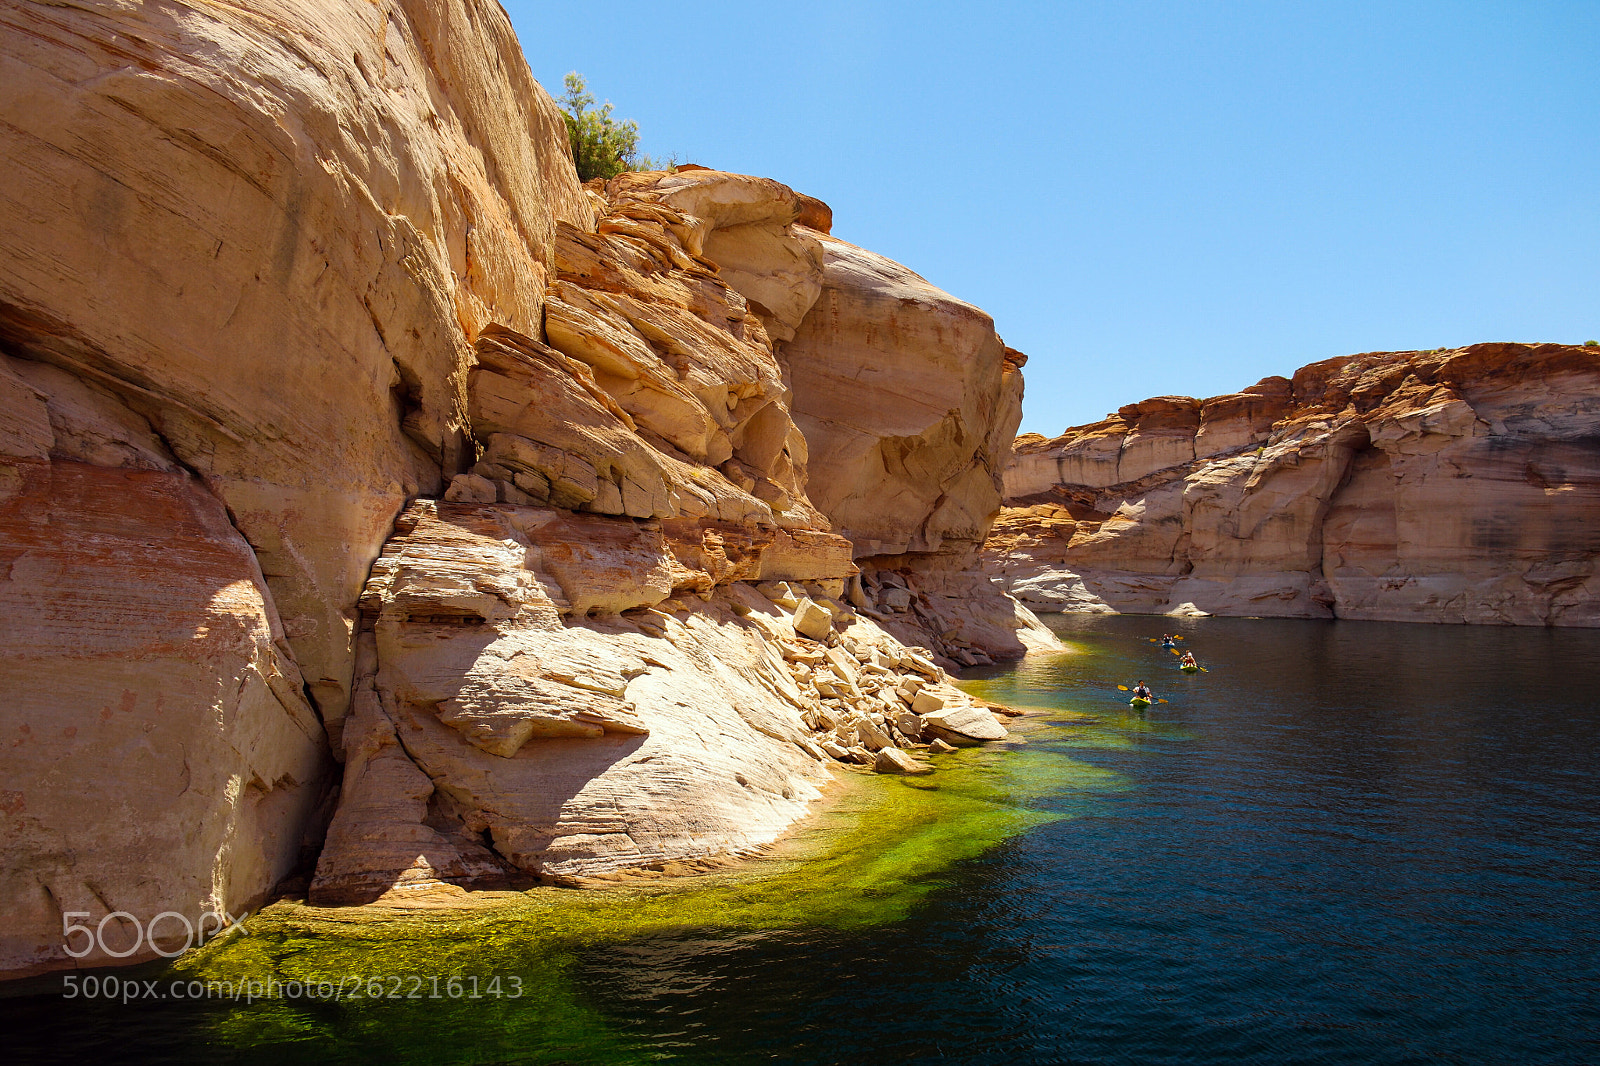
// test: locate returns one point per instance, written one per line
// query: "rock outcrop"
(623, 640)
(1445, 486)
(340, 424)
(501, 734)
(274, 230)
(160, 752)
(908, 401)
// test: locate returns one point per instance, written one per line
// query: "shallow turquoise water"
(1347, 842)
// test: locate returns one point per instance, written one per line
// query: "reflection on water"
(1348, 842)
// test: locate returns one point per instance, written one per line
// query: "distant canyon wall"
(375, 497)
(1443, 486)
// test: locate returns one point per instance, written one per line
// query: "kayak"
(1169, 644)
(1140, 702)
(1186, 668)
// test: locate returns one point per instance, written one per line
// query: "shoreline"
(868, 854)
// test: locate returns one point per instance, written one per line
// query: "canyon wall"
(1447, 486)
(246, 248)
(374, 496)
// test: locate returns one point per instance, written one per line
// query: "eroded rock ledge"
(1444, 486)
(502, 734)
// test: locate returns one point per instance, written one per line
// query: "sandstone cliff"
(342, 426)
(245, 247)
(1445, 486)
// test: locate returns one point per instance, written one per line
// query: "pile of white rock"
(872, 700)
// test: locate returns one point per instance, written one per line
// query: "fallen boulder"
(964, 725)
(812, 619)
(895, 761)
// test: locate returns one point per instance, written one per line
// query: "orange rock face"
(289, 221)
(154, 719)
(908, 403)
(1449, 486)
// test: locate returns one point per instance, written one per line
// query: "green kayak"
(1139, 701)
(1186, 668)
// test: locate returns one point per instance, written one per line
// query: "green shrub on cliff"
(602, 147)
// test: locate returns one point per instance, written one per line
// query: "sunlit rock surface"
(502, 735)
(160, 754)
(274, 229)
(909, 401)
(628, 637)
(1447, 486)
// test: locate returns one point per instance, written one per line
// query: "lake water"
(1347, 843)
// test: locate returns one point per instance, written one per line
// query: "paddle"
(1125, 688)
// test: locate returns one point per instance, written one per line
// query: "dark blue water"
(1346, 843)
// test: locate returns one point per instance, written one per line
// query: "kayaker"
(1140, 692)
(1188, 659)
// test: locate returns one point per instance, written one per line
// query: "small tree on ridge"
(602, 147)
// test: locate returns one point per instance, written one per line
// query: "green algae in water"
(871, 859)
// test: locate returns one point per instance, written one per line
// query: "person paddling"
(1140, 692)
(1188, 659)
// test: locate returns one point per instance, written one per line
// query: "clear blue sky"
(1153, 197)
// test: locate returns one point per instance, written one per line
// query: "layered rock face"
(622, 640)
(274, 230)
(341, 425)
(161, 753)
(909, 400)
(503, 733)
(1447, 486)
